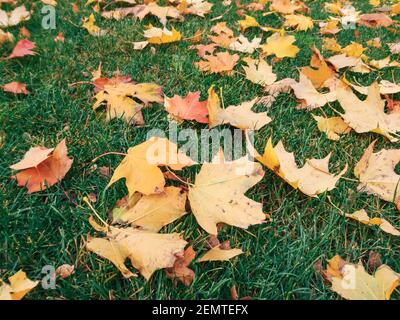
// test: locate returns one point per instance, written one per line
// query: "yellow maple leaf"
(333, 127)
(318, 71)
(248, 22)
(151, 212)
(218, 194)
(161, 36)
(140, 166)
(354, 49)
(368, 115)
(352, 282)
(299, 22)
(259, 72)
(281, 46)
(218, 254)
(19, 285)
(376, 173)
(312, 179)
(91, 27)
(238, 116)
(362, 217)
(147, 251)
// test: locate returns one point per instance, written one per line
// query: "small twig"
(86, 200)
(108, 153)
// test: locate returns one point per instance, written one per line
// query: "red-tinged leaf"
(180, 270)
(42, 168)
(15, 87)
(22, 48)
(188, 108)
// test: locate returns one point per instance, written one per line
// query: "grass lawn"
(50, 227)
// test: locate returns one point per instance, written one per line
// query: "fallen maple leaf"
(151, 212)
(259, 72)
(242, 44)
(240, 116)
(368, 115)
(333, 127)
(22, 48)
(9, 19)
(281, 46)
(219, 254)
(248, 22)
(19, 285)
(161, 36)
(65, 270)
(352, 282)
(222, 62)
(362, 216)
(118, 96)
(318, 71)
(187, 108)
(224, 35)
(147, 251)
(203, 49)
(140, 166)
(374, 20)
(91, 27)
(15, 87)
(312, 179)
(299, 22)
(284, 6)
(218, 194)
(376, 173)
(304, 90)
(42, 168)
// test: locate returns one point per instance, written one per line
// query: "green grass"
(47, 228)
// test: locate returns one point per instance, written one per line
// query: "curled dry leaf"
(151, 212)
(376, 173)
(362, 217)
(17, 287)
(312, 179)
(147, 251)
(219, 254)
(140, 166)
(42, 167)
(352, 282)
(218, 194)
(22, 48)
(240, 116)
(181, 271)
(318, 72)
(65, 270)
(15, 87)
